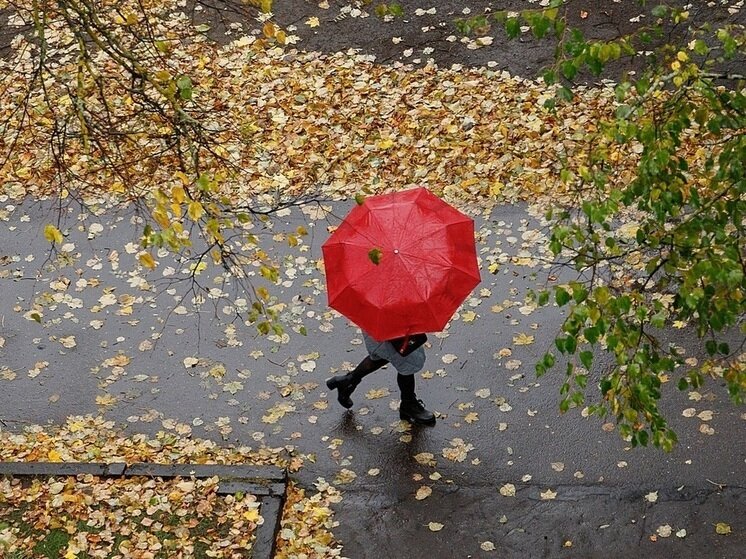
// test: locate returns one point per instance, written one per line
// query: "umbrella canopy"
(401, 264)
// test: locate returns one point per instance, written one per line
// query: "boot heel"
(332, 383)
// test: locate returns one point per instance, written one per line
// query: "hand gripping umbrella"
(401, 264)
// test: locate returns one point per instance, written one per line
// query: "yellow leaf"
(54, 456)
(722, 528)
(312, 21)
(523, 339)
(269, 30)
(471, 417)
(159, 214)
(435, 526)
(52, 234)
(182, 177)
(146, 259)
(105, 400)
(195, 210)
(469, 316)
(178, 194)
(163, 75)
(264, 5)
(386, 143)
(281, 37)
(423, 492)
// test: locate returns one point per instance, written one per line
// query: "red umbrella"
(401, 264)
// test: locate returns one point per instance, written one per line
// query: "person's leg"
(345, 384)
(412, 409)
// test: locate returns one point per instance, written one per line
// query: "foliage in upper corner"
(667, 249)
(120, 99)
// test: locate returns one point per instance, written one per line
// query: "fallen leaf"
(423, 492)
(722, 528)
(651, 497)
(507, 490)
(487, 546)
(664, 531)
(523, 339)
(435, 526)
(548, 495)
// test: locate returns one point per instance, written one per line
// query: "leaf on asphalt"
(377, 393)
(507, 490)
(458, 450)
(435, 526)
(548, 495)
(523, 339)
(68, 342)
(190, 362)
(468, 316)
(423, 492)
(425, 458)
(449, 358)
(722, 528)
(106, 400)
(652, 497)
(487, 546)
(664, 531)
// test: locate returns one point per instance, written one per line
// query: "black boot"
(344, 385)
(414, 411)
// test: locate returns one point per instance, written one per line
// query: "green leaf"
(375, 256)
(564, 93)
(540, 25)
(571, 344)
(184, 83)
(512, 27)
(562, 297)
(586, 358)
(396, 10)
(683, 384)
(548, 360)
(543, 298)
(569, 70)
(660, 11)
(591, 334)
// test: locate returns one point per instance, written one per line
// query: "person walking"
(407, 356)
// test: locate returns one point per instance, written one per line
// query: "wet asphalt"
(577, 489)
